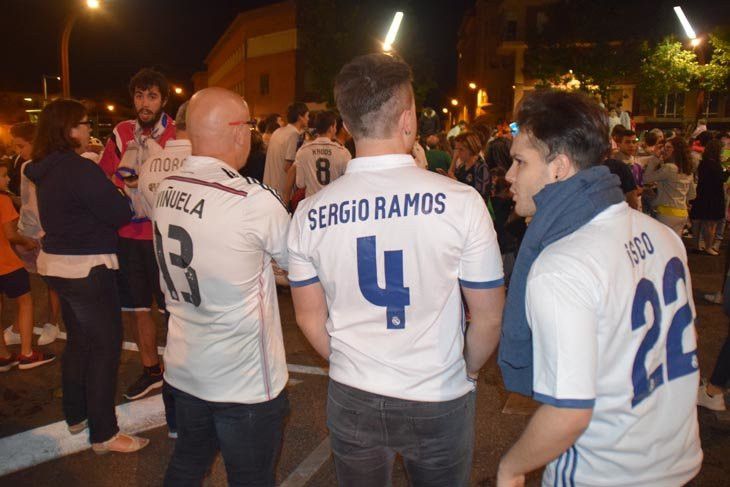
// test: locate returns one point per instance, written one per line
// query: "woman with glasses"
(78, 260)
(674, 183)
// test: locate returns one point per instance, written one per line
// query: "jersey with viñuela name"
(318, 163)
(612, 317)
(215, 234)
(391, 244)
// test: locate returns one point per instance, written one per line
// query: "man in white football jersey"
(321, 161)
(378, 263)
(599, 321)
(215, 235)
(282, 148)
(161, 164)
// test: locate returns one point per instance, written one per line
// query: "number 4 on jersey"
(395, 297)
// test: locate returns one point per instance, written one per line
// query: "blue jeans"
(435, 439)
(90, 309)
(248, 436)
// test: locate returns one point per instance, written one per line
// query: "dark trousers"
(435, 439)
(90, 309)
(248, 436)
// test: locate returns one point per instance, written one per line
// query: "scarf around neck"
(562, 208)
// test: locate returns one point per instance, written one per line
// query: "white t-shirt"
(592, 300)
(320, 162)
(215, 235)
(158, 166)
(281, 149)
(390, 244)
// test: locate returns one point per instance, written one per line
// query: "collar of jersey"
(377, 163)
(204, 161)
(178, 142)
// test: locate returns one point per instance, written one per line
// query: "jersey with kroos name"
(157, 167)
(390, 244)
(215, 234)
(612, 316)
(318, 163)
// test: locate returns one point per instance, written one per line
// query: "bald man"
(216, 233)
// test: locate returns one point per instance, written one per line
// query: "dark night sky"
(109, 45)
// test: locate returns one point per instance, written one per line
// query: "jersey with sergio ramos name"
(318, 163)
(215, 235)
(390, 244)
(612, 316)
(158, 166)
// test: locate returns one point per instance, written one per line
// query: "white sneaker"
(11, 338)
(715, 403)
(714, 298)
(48, 335)
(701, 245)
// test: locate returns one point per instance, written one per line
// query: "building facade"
(493, 40)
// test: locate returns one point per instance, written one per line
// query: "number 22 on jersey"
(678, 363)
(395, 296)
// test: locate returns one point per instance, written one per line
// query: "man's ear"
(404, 122)
(564, 167)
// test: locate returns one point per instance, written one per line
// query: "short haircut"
(54, 127)
(269, 124)
(180, 122)
(296, 110)
(651, 139)
(628, 133)
(324, 120)
(618, 130)
(560, 122)
(146, 78)
(371, 92)
(470, 141)
(23, 130)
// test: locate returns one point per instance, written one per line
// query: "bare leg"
(4, 352)
(709, 233)
(54, 307)
(147, 338)
(25, 323)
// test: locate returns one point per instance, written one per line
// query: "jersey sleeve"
(290, 150)
(301, 269)
(7, 210)
(299, 168)
(111, 156)
(563, 320)
(274, 228)
(481, 260)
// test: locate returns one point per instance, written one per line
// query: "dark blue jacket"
(79, 208)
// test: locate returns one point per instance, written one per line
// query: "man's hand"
(505, 479)
(29, 244)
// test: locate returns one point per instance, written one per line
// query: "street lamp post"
(694, 42)
(45, 87)
(65, 37)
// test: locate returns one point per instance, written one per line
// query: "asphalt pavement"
(36, 451)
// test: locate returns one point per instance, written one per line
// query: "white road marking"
(301, 475)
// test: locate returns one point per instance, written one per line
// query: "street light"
(685, 23)
(454, 101)
(445, 110)
(45, 86)
(473, 86)
(392, 32)
(178, 90)
(110, 108)
(65, 37)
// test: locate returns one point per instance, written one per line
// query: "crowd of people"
(395, 222)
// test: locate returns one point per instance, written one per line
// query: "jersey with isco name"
(215, 235)
(318, 163)
(157, 167)
(612, 316)
(391, 244)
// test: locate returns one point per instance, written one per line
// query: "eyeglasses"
(250, 123)
(87, 122)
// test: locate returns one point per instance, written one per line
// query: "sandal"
(135, 443)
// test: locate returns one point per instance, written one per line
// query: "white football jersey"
(282, 148)
(158, 166)
(612, 316)
(215, 234)
(320, 162)
(391, 244)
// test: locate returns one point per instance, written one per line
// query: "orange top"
(9, 261)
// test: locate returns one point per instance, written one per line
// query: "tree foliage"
(668, 68)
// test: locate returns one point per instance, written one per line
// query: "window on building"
(264, 84)
(712, 104)
(670, 106)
